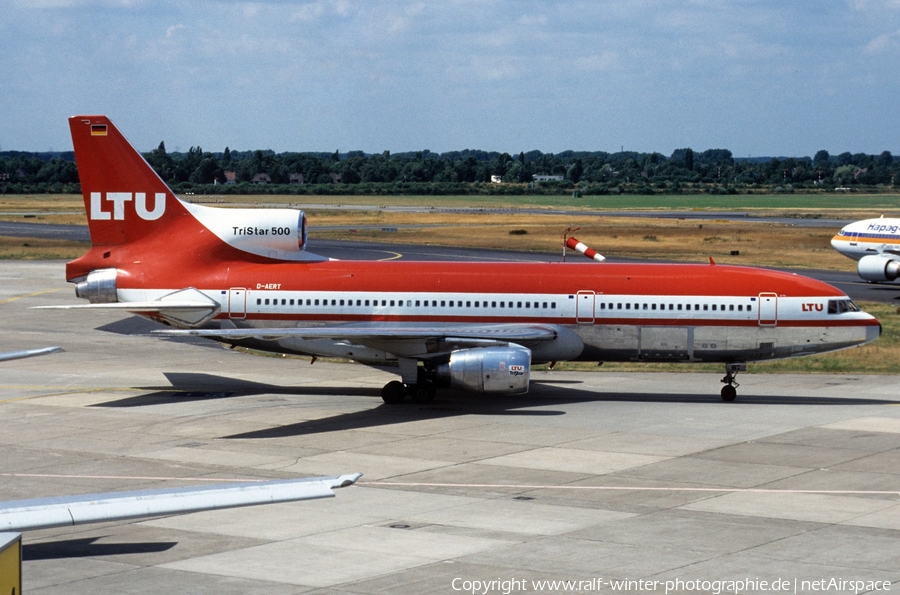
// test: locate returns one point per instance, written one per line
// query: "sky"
(757, 77)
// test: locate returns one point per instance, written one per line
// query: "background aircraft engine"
(497, 370)
(99, 287)
(879, 268)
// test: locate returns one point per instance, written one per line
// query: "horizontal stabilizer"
(46, 513)
(187, 307)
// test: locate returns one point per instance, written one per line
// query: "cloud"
(170, 32)
(885, 43)
(377, 74)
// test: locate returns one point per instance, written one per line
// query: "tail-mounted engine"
(275, 233)
(99, 287)
(879, 267)
(497, 370)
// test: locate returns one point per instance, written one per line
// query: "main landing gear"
(416, 383)
(729, 391)
(395, 392)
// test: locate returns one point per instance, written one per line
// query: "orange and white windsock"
(574, 244)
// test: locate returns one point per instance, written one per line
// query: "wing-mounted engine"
(879, 267)
(496, 370)
(274, 233)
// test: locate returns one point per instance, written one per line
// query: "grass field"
(833, 204)
(763, 244)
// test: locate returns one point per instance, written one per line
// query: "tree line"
(685, 171)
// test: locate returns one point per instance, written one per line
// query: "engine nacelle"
(99, 287)
(878, 267)
(275, 233)
(497, 370)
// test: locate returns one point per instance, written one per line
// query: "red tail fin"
(135, 218)
(124, 198)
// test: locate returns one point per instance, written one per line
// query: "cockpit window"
(841, 306)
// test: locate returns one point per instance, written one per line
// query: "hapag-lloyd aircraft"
(242, 277)
(875, 243)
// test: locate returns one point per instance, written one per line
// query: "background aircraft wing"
(27, 353)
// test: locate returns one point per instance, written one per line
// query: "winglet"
(711, 261)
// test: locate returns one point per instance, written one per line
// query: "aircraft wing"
(425, 341)
(65, 511)
(27, 353)
(381, 332)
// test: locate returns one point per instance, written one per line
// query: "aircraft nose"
(873, 332)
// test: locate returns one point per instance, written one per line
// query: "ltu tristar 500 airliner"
(875, 243)
(242, 277)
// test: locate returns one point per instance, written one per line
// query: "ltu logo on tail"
(118, 200)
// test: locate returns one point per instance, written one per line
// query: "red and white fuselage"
(241, 276)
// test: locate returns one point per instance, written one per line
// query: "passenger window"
(628, 306)
(553, 306)
(645, 306)
(267, 301)
(714, 307)
(749, 308)
(679, 306)
(258, 301)
(731, 307)
(705, 307)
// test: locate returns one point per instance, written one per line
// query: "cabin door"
(584, 307)
(768, 309)
(237, 302)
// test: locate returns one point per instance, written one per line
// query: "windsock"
(574, 244)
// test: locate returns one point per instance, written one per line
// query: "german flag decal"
(98, 129)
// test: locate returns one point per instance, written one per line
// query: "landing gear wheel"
(423, 392)
(729, 393)
(393, 392)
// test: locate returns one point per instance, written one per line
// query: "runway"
(592, 477)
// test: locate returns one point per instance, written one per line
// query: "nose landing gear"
(729, 391)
